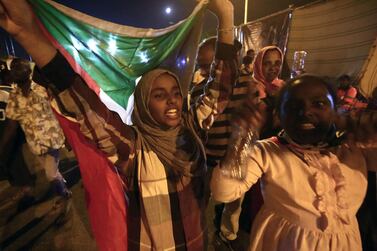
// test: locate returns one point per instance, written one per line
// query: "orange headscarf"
(276, 84)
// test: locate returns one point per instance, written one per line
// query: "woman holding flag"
(160, 157)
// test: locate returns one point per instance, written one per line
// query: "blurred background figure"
(346, 93)
(13, 168)
(372, 101)
(204, 58)
(247, 63)
(367, 214)
(349, 99)
(29, 105)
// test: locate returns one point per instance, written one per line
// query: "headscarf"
(170, 178)
(176, 147)
(276, 84)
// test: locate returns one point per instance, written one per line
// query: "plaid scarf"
(166, 189)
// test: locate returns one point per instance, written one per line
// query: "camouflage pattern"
(34, 113)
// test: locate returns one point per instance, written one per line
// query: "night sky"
(138, 13)
(152, 13)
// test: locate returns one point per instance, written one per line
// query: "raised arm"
(244, 162)
(16, 17)
(103, 127)
(224, 68)
(224, 11)
(361, 132)
(226, 187)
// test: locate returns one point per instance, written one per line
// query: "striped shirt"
(218, 135)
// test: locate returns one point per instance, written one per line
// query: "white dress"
(310, 198)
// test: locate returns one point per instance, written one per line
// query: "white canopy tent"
(338, 36)
(368, 74)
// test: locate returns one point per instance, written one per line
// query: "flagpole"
(245, 15)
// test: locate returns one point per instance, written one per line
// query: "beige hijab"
(179, 148)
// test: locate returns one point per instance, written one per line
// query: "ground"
(54, 223)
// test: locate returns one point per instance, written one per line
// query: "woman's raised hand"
(221, 8)
(16, 17)
(224, 10)
(360, 127)
(252, 115)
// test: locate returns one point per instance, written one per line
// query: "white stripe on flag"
(125, 114)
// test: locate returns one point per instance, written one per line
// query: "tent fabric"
(368, 75)
(337, 36)
(270, 30)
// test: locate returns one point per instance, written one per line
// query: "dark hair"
(247, 60)
(4, 72)
(344, 77)
(209, 42)
(250, 51)
(237, 45)
(20, 71)
(304, 78)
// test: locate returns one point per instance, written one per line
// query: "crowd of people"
(287, 162)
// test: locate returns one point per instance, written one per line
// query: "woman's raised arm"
(16, 17)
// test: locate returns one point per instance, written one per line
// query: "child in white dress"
(313, 181)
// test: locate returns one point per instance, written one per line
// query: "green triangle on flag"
(110, 57)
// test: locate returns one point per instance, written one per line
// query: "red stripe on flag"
(104, 193)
